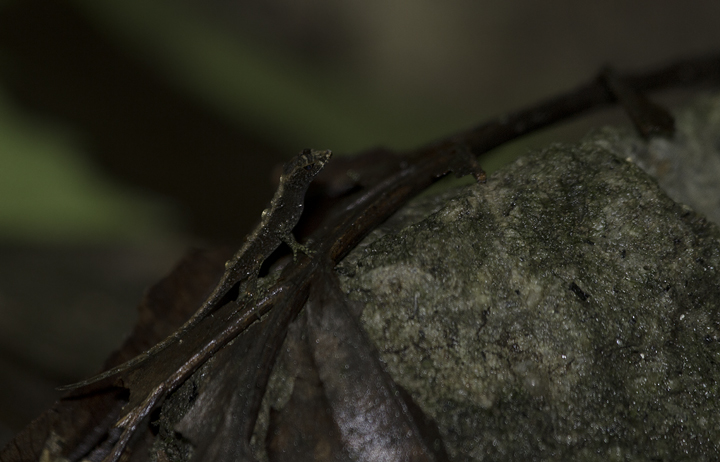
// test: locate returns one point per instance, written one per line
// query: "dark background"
(131, 130)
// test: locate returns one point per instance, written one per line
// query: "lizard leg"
(296, 247)
(250, 286)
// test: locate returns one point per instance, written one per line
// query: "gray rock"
(565, 310)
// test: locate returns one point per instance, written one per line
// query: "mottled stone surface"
(565, 310)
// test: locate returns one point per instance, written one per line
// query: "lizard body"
(275, 227)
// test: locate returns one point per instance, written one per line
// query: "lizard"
(276, 224)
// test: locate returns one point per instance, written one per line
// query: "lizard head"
(308, 161)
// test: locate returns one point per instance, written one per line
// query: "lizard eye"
(309, 167)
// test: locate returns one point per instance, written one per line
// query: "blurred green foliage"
(49, 191)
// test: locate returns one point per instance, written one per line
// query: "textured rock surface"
(566, 310)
